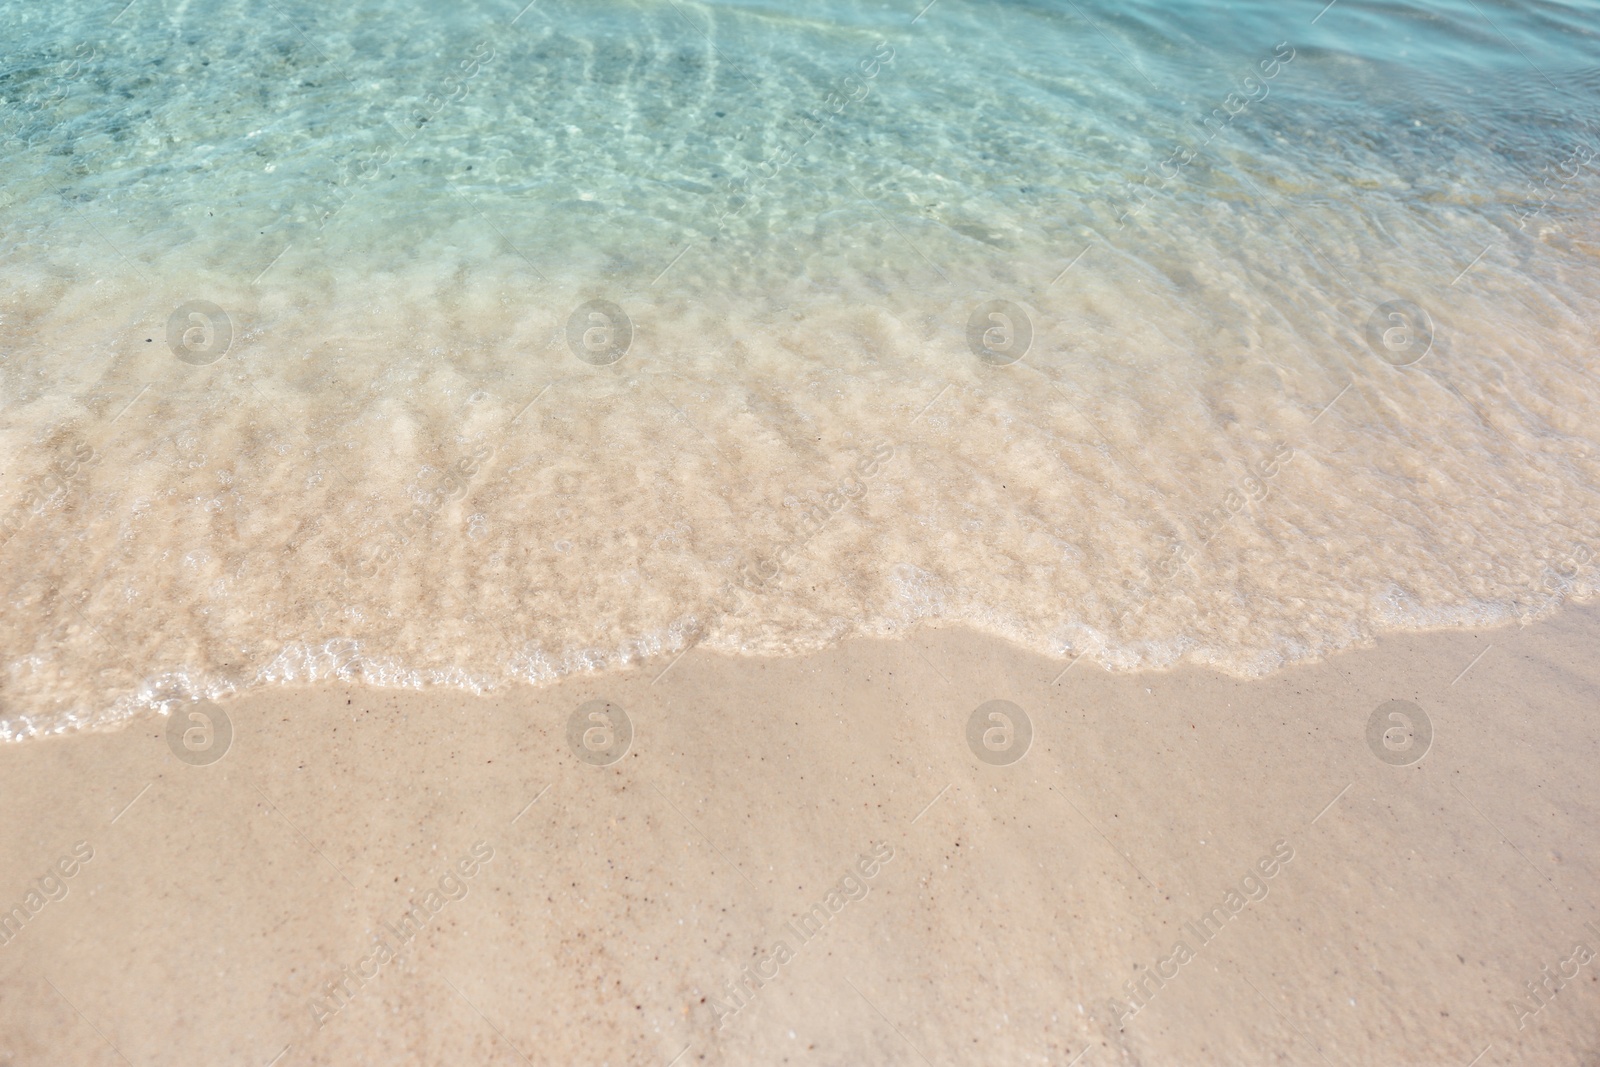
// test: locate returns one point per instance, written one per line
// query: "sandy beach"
(803, 860)
(661, 533)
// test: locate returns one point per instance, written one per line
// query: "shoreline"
(645, 866)
(341, 663)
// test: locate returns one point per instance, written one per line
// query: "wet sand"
(1297, 898)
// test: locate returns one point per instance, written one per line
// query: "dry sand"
(621, 900)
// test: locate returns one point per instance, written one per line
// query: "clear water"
(300, 376)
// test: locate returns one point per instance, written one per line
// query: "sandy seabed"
(1183, 868)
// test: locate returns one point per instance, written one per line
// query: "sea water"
(481, 343)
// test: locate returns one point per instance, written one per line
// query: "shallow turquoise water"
(1197, 211)
(600, 139)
